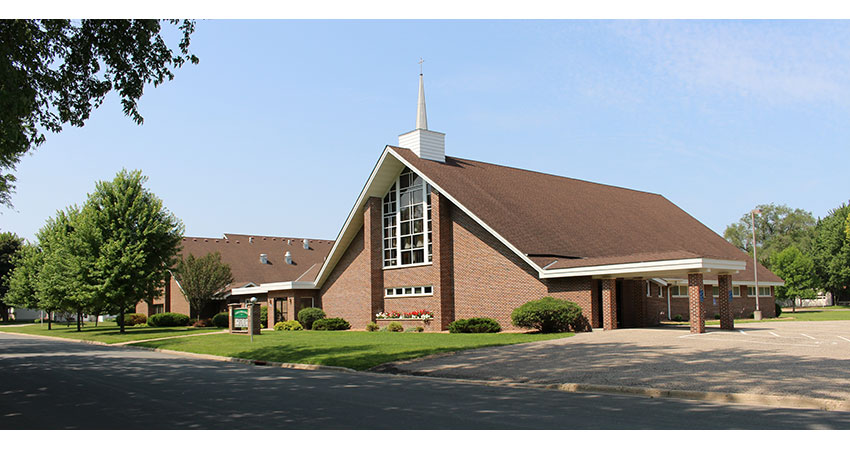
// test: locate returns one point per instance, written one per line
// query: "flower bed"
(420, 314)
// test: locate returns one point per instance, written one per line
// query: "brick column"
(373, 246)
(727, 319)
(609, 304)
(696, 296)
(443, 257)
(639, 290)
(270, 321)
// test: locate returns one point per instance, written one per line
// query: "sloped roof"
(563, 222)
(243, 256)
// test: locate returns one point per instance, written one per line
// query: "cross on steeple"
(420, 65)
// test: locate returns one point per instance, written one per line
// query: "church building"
(463, 238)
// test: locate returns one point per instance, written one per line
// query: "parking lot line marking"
(842, 337)
(771, 332)
(806, 335)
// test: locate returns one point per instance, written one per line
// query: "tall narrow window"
(407, 221)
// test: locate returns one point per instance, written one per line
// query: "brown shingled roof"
(576, 223)
(243, 256)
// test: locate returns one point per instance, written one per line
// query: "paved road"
(62, 385)
(808, 359)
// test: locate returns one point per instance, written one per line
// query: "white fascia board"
(338, 243)
(660, 281)
(644, 267)
(466, 210)
(278, 286)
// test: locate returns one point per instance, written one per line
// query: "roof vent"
(289, 242)
(306, 244)
(251, 240)
(264, 258)
(288, 257)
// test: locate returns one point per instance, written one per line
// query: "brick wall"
(346, 293)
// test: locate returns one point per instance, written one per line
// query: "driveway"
(809, 359)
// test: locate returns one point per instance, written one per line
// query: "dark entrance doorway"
(597, 318)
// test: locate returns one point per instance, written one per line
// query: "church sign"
(240, 318)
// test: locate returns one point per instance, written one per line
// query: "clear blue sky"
(278, 127)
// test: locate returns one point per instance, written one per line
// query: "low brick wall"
(428, 324)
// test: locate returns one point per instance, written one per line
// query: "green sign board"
(240, 318)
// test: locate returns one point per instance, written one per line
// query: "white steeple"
(421, 115)
(425, 143)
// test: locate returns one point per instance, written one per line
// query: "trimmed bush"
(419, 329)
(221, 320)
(395, 327)
(309, 315)
(678, 318)
(168, 320)
(289, 325)
(547, 315)
(331, 324)
(134, 319)
(372, 326)
(475, 325)
(264, 315)
(716, 316)
(778, 309)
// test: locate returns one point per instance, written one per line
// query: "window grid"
(407, 291)
(407, 221)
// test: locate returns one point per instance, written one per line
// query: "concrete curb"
(783, 401)
(114, 344)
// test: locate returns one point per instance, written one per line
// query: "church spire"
(423, 142)
(421, 115)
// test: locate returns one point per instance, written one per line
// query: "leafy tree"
(24, 278)
(831, 253)
(55, 72)
(10, 244)
(798, 271)
(202, 278)
(134, 239)
(777, 228)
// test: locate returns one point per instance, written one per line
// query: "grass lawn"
(358, 350)
(107, 332)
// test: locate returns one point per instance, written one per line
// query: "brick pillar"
(727, 319)
(696, 299)
(443, 258)
(270, 322)
(609, 304)
(639, 290)
(373, 246)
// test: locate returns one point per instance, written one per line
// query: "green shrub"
(420, 329)
(778, 309)
(548, 315)
(289, 325)
(716, 316)
(752, 315)
(221, 320)
(134, 319)
(140, 325)
(168, 320)
(475, 325)
(372, 326)
(331, 324)
(678, 318)
(395, 327)
(309, 315)
(264, 315)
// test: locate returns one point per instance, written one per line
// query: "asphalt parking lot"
(808, 359)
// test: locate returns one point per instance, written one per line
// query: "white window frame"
(736, 291)
(764, 288)
(678, 294)
(426, 227)
(424, 291)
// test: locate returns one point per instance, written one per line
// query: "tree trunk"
(121, 320)
(79, 318)
(49, 322)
